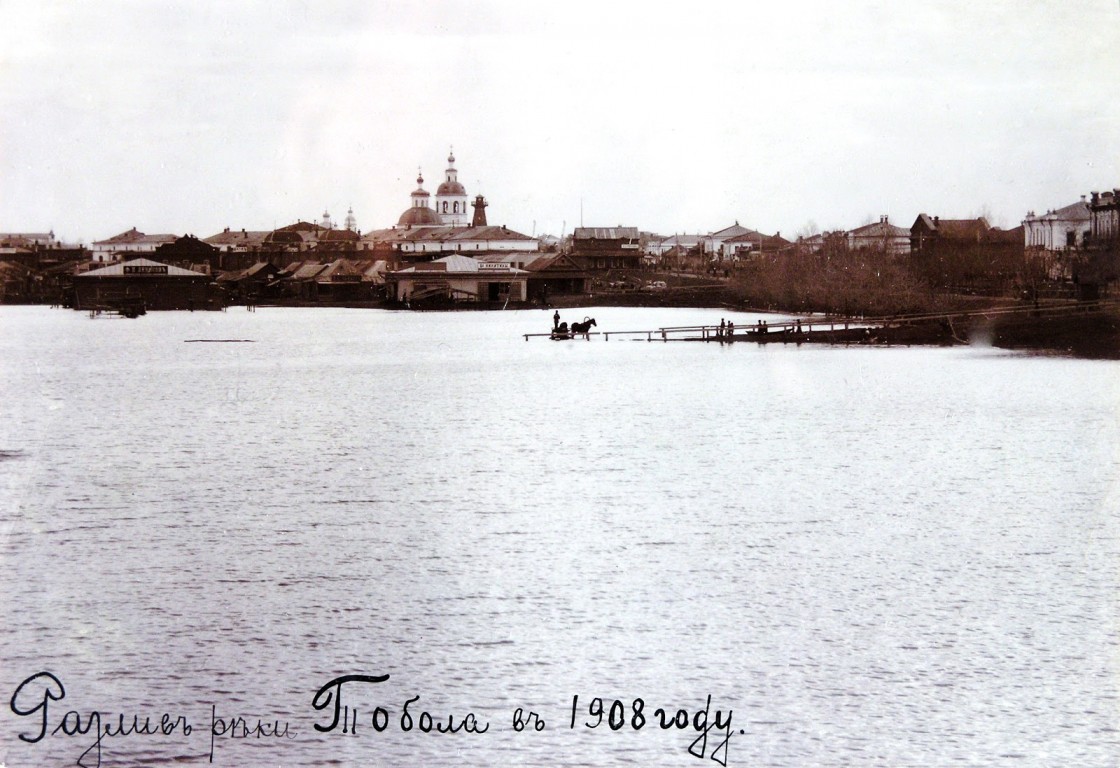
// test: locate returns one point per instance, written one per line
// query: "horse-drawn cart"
(562, 332)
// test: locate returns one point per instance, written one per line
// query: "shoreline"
(1089, 330)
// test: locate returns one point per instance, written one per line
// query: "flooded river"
(573, 553)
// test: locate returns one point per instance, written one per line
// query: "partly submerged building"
(155, 285)
(459, 279)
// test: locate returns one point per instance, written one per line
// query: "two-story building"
(1104, 219)
(129, 243)
(607, 247)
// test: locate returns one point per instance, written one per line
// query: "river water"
(855, 556)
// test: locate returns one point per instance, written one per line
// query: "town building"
(1103, 263)
(249, 285)
(158, 286)
(190, 253)
(126, 244)
(550, 274)
(1059, 230)
(297, 238)
(238, 249)
(337, 241)
(339, 281)
(428, 242)
(27, 239)
(714, 241)
(17, 283)
(880, 236)
(38, 249)
(937, 234)
(458, 278)
(1104, 219)
(823, 243)
(660, 246)
(607, 247)
(966, 254)
(932, 233)
(1055, 240)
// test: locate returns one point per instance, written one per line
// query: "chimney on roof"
(883, 219)
(936, 220)
(226, 229)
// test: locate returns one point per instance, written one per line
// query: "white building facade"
(1059, 230)
(130, 242)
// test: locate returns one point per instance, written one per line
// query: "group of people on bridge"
(726, 329)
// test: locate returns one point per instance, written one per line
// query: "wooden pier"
(786, 330)
(935, 328)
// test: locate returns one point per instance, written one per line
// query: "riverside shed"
(159, 286)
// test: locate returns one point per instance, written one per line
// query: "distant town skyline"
(193, 117)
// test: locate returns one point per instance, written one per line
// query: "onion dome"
(419, 214)
(451, 185)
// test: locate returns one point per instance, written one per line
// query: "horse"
(584, 327)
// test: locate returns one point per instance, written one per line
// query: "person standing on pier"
(555, 320)
(722, 327)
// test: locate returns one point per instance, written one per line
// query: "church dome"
(419, 216)
(451, 188)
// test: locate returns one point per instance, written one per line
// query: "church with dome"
(450, 204)
(451, 224)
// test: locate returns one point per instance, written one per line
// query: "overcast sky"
(189, 117)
